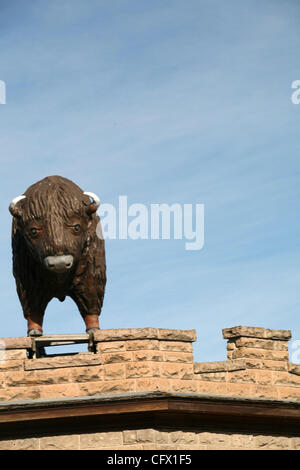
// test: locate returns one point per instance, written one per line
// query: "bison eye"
(76, 227)
(33, 231)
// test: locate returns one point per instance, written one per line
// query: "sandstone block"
(244, 376)
(101, 440)
(254, 332)
(129, 437)
(177, 335)
(86, 374)
(152, 384)
(288, 393)
(296, 443)
(22, 342)
(20, 393)
(178, 346)
(183, 386)
(162, 437)
(242, 441)
(67, 361)
(58, 390)
(144, 369)
(264, 391)
(145, 355)
(123, 334)
(231, 344)
(111, 346)
(144, 344)
(114, 371)
(144, 333)
(264, 377)
(110, 358)
(171, 356)
(20, 444)
(183, 437)
(146, 435)
(225, 388)
(213, 376)
(252, 363)
(177, 371)
(109, 386)
(21, 378)
(294, 368)
(218, 366)
(15, 354)
(213, 439)
(14, 378)
(272, 442)
(259, 354)
(11, 365)
(286, 378)
(65, 442)
(262, 344)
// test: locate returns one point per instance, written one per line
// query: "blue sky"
(163, 101)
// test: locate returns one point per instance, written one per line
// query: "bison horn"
(13, 205)
(96, 200)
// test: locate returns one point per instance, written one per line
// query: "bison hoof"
(35, 332)
(91, 330)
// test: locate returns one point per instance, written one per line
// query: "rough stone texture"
(151, 359)
(178, 346)
(13, 354)
(101, 440)
(220, 366)
(105, 386)
(252, 363)
(142, 344)
(11, 365)
(145, 355)
(261, 344)
(20, 444)
(22, 342)
(171, 356)
(155, 439)
(263, 333)
(147, 359)
(68, 442)
(144, 333)
(294, 368)
(258, 354)
(63, 361)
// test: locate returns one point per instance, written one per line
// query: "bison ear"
(95, 203)
(13, 209)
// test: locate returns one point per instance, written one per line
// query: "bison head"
(54, 216)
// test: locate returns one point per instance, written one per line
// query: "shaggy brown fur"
(54, 206)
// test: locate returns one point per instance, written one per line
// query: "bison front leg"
(89, 309)
(35, 323)
(88, 286)
(91, 322)
(34, 305)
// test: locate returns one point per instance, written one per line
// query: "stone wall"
(150, 359)
(153, 439)
(133, 360)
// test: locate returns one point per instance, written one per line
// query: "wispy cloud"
(165, 103)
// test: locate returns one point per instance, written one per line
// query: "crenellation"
(153, 360)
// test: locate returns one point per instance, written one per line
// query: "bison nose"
(59, 264)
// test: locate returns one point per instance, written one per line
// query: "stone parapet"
(150, 359)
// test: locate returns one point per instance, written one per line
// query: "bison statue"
(56, 250)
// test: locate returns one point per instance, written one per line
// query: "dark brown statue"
(56, 251)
